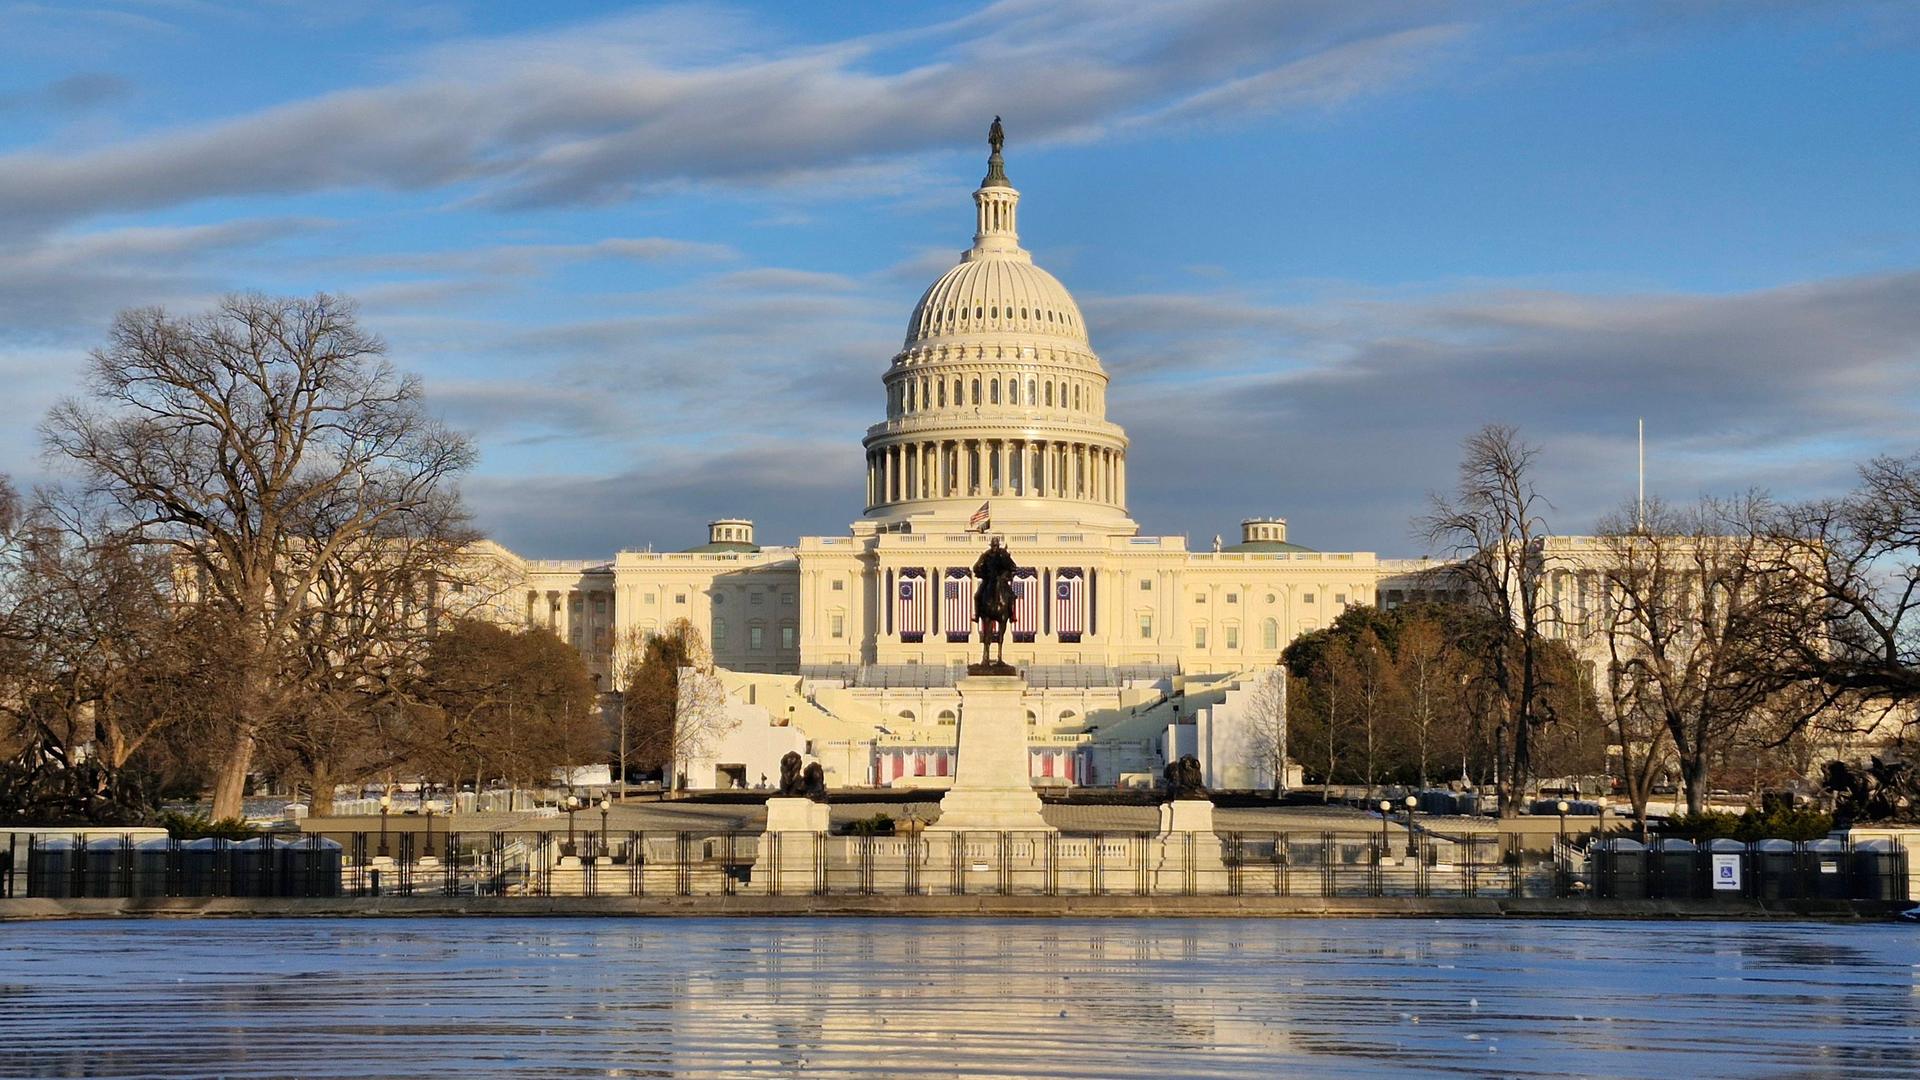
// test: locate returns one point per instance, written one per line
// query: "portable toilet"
(1827, 863)
(1777, 865)
(1676, 867)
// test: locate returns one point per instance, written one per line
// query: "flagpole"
(1640, 502)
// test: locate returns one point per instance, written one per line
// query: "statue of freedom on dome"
(996, 135)
(993, 607)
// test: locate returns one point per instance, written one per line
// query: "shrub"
(877, 825)
(1777, 822)
(194, 825)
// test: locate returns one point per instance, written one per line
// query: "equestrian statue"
(993, 608)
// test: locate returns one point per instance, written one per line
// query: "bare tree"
(1860, 555)
(1697, 599)
(1493, 527)
(1263, 706)
(1426, 673)
(1372, 673)
(257, 443)
(701, 718)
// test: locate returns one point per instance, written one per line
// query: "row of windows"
(1269, 633)
(955, 316)
(929, 392)
(757, 635)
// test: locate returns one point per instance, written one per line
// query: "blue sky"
(655, 258)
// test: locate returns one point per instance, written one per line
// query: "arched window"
(1076, 395)
(1013, 391)
(1032, 719)
(1049, 395)
(907, 715)
(1067, 716)
(959, 395)
(947, 717)
(910, 397)
(1270, 634)
(976, 391)
(943, 393)
(1063, 393)
(993, 391)
(1031, 398)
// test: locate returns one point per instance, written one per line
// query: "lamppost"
(606, 804)
(1562, 857)
(386, 807)
(573, 804)
(1386, 815)
(427, 805)
(1413, 805)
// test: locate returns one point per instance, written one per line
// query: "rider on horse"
(993, 598)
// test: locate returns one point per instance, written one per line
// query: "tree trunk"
(230, 784)
(321, 805)
(1694, 770)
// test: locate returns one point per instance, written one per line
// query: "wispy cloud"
(603, 112)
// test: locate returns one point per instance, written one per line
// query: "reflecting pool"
(540, 997)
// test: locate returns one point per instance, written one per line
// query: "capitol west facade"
(845, 648)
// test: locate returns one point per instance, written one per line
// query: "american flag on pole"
(1026, 605)
(913, 605)
(956, 598)
(1069, 603)
(980, 520)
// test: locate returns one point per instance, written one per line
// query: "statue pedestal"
(1186, 853)
(990, 787)
(788, 813)
(790, 845)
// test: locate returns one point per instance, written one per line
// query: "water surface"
(957, 997)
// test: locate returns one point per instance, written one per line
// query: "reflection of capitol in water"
(881, 997)
(976, 997)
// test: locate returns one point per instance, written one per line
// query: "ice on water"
(954, 997)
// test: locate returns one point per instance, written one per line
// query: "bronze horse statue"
(993, 602)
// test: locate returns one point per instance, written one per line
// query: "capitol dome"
(997, 395)
(982, 296)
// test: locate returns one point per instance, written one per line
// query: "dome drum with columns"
(996, 395)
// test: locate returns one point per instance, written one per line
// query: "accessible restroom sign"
(1726, 872)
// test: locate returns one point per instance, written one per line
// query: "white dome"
(996, 295)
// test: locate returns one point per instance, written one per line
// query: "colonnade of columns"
(961, 468)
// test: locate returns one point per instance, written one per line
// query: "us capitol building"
(846, 648)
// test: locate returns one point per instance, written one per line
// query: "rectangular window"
(1146, 627)
(1307, 599)
(1200, 598)
(1233, 598)
(1146, 585)
(756, 599)
(839, 626)
(599, 605)
(1339, 598)
(719, 631)
(755, 637)
(788, 638)
(1233, 637)
(1199, 637)
(650, 598)
(839, 586)
(786, 599)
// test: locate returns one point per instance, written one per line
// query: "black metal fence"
(701, 863)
